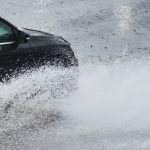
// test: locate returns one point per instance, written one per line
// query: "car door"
(13, 54)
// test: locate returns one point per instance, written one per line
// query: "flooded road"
(108, 109)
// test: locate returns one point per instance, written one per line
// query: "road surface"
(109, 109)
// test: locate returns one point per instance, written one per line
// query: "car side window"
(6, 33)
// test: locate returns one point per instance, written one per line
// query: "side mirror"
(22, 37)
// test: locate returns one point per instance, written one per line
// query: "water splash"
(35, 98)
(110, 107)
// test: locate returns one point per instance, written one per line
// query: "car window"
(6, 33)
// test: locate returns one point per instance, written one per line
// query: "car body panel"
(34, 48)
(13, 56)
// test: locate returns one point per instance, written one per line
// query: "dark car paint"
(38, 48)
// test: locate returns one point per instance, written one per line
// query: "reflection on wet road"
(123, 14)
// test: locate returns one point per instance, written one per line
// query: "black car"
(22, 48)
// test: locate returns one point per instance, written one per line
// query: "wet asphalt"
(92, 27)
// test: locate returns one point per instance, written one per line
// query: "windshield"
(6, 33)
